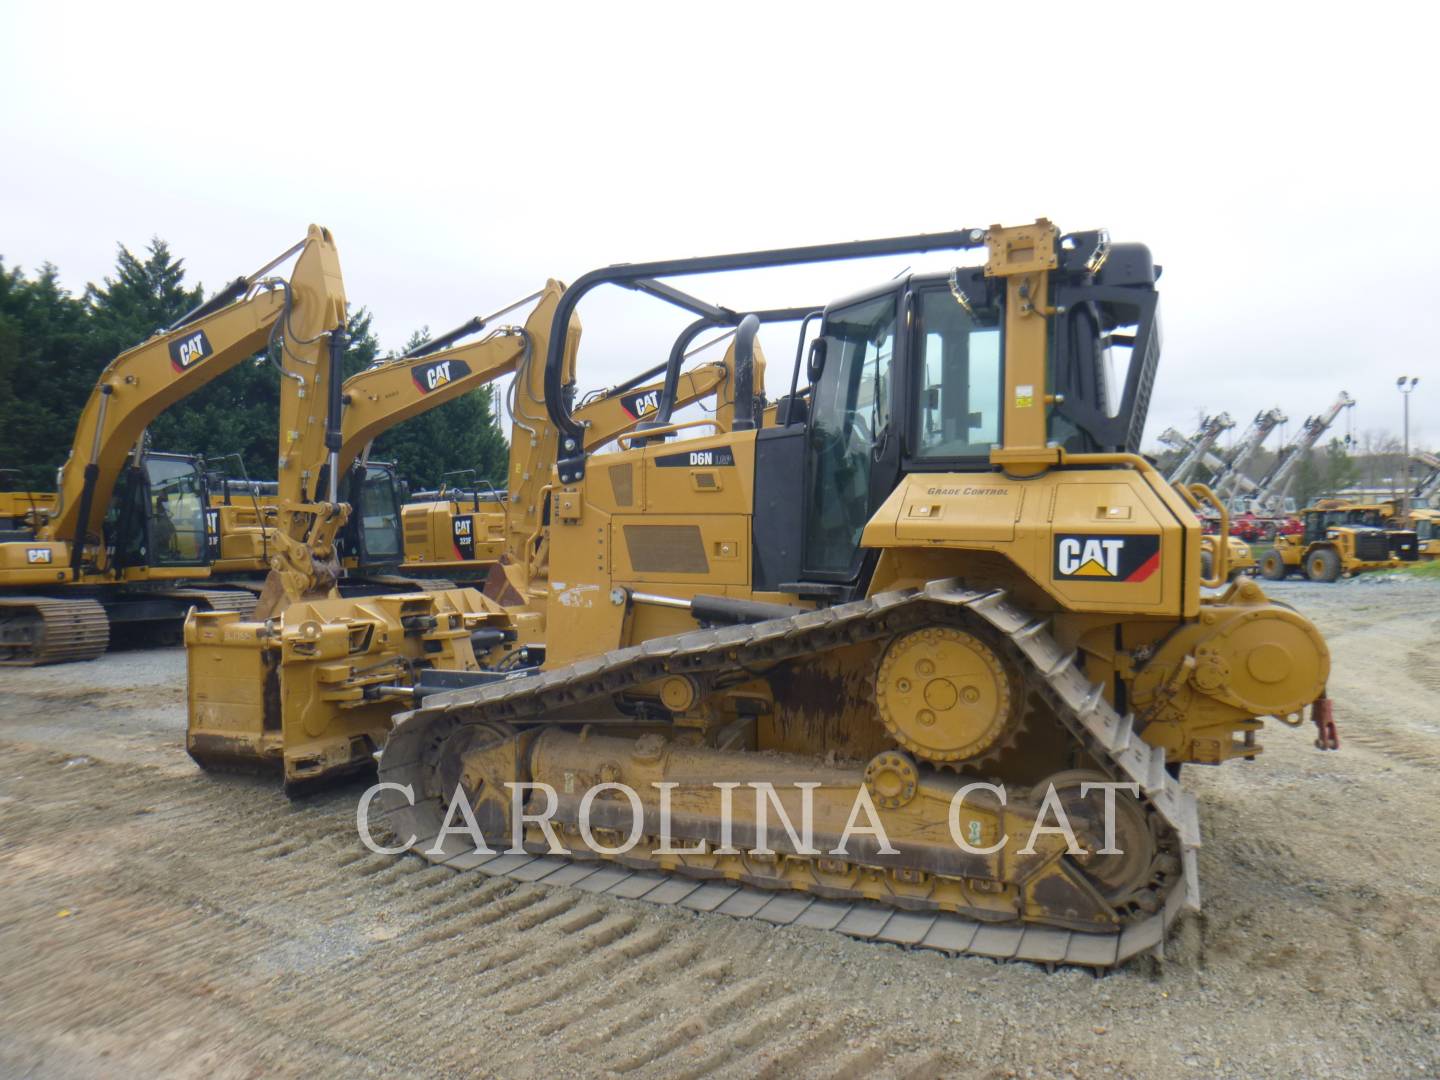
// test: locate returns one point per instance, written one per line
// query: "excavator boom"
(159, 534)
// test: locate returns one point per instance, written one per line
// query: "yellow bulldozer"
(460, 530)
(1241, 559)
(954, 568)
(1341, 539)
(924, 609)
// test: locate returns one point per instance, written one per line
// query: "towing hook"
(1322, 713)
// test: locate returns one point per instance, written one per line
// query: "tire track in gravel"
(243, 912)
(217, 930)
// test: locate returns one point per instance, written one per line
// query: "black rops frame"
(643, 277)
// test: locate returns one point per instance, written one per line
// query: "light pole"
(1406, 386)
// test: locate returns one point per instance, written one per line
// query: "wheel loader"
(124, 540)
(1339, 540)
(1426, 524)
(941, 594)
(1241, 558)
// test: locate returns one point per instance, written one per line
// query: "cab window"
(961, 377)
(176, 509)
(850, 419)
(378, 516)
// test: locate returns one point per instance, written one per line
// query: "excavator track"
(413, 757)
(240, 600)
(404, 582)
(37, 630)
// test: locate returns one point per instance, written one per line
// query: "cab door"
(851, 454)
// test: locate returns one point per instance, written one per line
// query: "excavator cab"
(371, 538)
(159, 516)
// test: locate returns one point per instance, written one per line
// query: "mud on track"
(154, 920)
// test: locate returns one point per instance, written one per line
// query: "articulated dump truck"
(932, 604)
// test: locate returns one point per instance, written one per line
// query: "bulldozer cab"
(910, 377)
(159, 515)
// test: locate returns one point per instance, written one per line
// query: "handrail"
(660, 432)
(532, 544)
(1220, 561)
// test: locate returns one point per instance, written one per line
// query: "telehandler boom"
(1199, 454)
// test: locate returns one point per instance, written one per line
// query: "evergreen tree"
(53, 347)
(1339, 470)
(48, 363)
(144, 296)
(362, 346)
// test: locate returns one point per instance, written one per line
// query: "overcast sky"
(1280, 161)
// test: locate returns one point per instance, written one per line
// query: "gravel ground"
(156, 921)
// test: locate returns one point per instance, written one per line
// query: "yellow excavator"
(372, 401)
(439, 537)
(940, 594)
(21, 508)
(126, 532)
(314, 720)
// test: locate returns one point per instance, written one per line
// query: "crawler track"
(414, 753)
(37, 630)
(241, 600)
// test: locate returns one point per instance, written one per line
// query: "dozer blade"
(300, 695)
